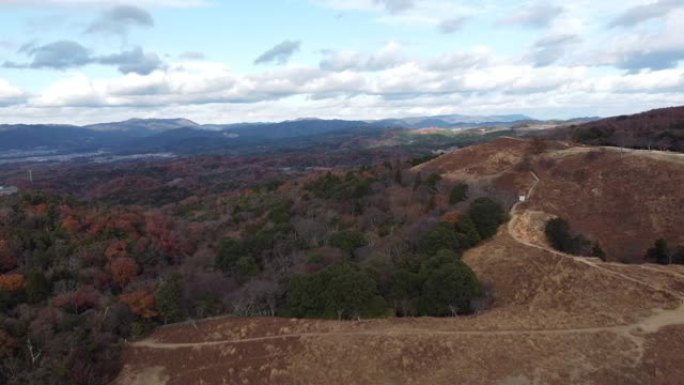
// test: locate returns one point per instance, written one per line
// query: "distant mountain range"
(150, 135)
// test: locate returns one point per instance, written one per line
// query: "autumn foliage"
(116, 249)
(11, 282)
(141, 303)
(78, 301)
(123, 270)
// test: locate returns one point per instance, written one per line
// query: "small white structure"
(522, 198)
(8, 190)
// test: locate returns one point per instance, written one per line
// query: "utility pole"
(30, 176)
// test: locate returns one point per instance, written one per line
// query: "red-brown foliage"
(123, 270)
(8, 260)
(116, 249)
(11, 282)
(86, 297)
(141, 303)
(70, 224)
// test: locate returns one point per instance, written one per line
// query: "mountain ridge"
(162, 134)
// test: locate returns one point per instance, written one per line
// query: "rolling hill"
(553, 318)
(185, 136)
(661, 129)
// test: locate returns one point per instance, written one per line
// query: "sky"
(212, 61)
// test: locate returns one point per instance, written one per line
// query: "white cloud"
(10, 94)
(430, 86)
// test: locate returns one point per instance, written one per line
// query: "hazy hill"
(148, 135)
(145, 126)
(661, 129)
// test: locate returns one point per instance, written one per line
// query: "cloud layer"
(411, 57)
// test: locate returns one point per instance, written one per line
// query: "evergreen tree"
(169, 299)
(487, 215)
(418, 181)
(398, 178)
(304, 295)
(597, 251)
(659, 253)
(404, 290)
(467, 231)
(441, 236)
(37, 287)
(432, 181)
(350, 293)
(558, 233)
(449, 290)
(229, 253)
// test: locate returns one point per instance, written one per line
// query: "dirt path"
(650, 324)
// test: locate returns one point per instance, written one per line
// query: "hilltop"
(553, 318)
(624, 199)
(660, 129)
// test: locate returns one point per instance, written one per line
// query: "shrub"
(659, 253)
(558, 233)
(458, 193)
(432, 181)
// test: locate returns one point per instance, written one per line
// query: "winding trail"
(590, 261)
(650, 324)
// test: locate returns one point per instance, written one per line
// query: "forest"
(83, 271)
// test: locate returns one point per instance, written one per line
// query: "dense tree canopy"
(77, 277)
